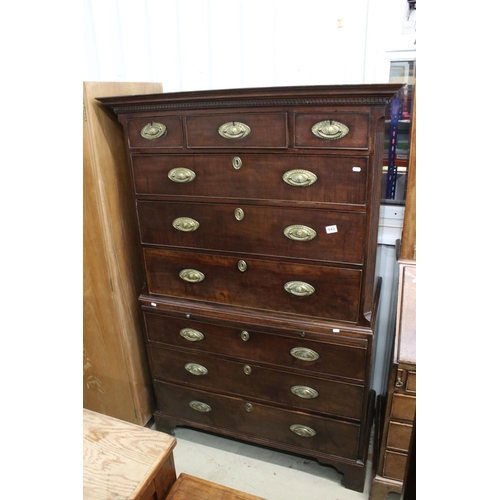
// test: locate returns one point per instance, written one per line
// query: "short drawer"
(399, 436)
(335, 130)
(395, 465)
(237, 130)
(320, 235)
(411, 382)
(403, 407)
(323, 179)
(249, 419)
(312, 290)
(336, 358)
(155, 132)
(247, 379)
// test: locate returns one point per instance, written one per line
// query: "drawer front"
(403, 407)
(155, 132)
(333, 130)
(313, 290)
(322, 179)
(237, 130)
(256, 382)
(395, 465)
(399, 436)
(257, 420)
(244, 342)
(258, 230)
(406, 381)
(411, 383)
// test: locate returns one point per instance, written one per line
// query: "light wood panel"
(123, 460)
(116, 379)
(409, 236)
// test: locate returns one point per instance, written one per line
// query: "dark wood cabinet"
(257, 212)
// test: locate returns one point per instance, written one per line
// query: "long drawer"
(314, 290)
(337, 358)
(294, 428)
(339, 180)
(247, 379)
(325, 235)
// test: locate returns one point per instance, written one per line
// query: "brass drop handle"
(196, 369)
(234, 130)
(330, 130)
(299, 288)
(304, 354)
(242, 266)
(299, 232)
(248, 407)
(186, 224)
(304, 392)
(200, 406)
(247, 369)
(154, 130)
(191, 335)
(299, 178)
(399, 383)
(244, 336)
(181, 175)
(191, 275)
(239, 214)
(302, 430)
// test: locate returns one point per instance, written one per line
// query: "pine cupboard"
(116, 378)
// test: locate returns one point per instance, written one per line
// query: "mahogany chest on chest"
(257, 214)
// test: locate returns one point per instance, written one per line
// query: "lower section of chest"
(299, 386)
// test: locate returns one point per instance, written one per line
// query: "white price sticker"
(331, 229)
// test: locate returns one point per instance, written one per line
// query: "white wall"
(208, 44)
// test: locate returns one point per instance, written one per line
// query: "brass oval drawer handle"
(299, 178)
(247, 370)
(153, 130)
(186, 224)
(399, 383)
(304, 354)
(234, 130)
(304, 392)
(330, 130)
(199, 406)
(248, 407)
(244, 335)
(302, 430)
(191, 334)
(191, 275)
(298, 232)
(242, 266)
(196, 369)
(181, 175)
(299, 288)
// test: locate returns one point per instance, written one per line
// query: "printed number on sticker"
(331, 229)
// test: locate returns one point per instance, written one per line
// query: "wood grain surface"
(195, 488)
(121, 460)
